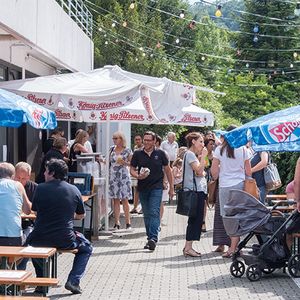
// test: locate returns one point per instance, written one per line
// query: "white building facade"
(38, 38)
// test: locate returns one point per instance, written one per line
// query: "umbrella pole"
(106, 225)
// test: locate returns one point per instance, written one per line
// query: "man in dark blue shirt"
(150, 184)
(57, 203)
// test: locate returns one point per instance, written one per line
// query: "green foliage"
(207, 55)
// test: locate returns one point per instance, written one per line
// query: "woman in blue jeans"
(193, 168)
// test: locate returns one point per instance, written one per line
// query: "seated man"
(56, 204)
(23, 172)
(13, 201)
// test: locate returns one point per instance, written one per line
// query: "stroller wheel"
(237, 269)
(294, 265)
(253, 272)
(268, 270)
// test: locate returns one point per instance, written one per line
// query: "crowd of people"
(150, 174)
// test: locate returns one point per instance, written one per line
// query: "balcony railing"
(79, 13)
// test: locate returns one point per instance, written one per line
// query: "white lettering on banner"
(62, 115)
(282, 131)
(83, 105)
(123, 115)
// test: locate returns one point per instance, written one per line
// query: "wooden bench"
(39, 281)
(72, 251)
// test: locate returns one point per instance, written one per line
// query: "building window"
(3, 75)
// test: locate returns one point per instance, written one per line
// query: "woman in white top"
(231, 166)
(193, 167)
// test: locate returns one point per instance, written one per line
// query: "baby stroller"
(244, 214)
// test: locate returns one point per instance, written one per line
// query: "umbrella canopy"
(136, 113)
(277, 131)
(108, 88)
(16, 110)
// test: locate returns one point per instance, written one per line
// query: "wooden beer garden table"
(12, 277)
(46, 254)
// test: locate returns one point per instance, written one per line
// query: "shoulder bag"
(213, 190)
(271, 176)
(187, 200)
(250, 185)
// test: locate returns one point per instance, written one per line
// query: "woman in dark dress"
(77, 148)
(258, 162)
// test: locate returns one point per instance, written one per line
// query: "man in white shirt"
(170, 146)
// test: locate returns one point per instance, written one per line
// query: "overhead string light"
(186, 39)
(132, 5)
(181, 15)
(213, 56)
(218, 12)
(264, 70)
(197, 22)
(177, 41)
(172, 59)
(297, 10)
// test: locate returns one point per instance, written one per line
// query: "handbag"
(251, 188)
(212, 187)
(250, 185)
(187, 200)
(271, 176)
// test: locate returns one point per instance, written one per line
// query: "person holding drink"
(119, 178)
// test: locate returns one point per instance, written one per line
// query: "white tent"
(132, 97)
(135, 113)
(112, 94)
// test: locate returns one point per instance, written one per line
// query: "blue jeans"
(80, 261)
(150, 201)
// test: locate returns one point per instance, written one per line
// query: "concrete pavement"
(121, 269)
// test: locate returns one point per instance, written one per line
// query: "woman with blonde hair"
(119, 178)
(77, 148)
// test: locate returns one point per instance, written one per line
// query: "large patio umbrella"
(107, 92)
(16, 110)
(108, 88)
(136, 113)
(277, 131)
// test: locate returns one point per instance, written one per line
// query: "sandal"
(228, 254)
(220, 248)
(191, 253)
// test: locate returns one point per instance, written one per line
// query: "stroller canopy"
(244, 213)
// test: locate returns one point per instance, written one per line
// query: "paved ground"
(121, 269)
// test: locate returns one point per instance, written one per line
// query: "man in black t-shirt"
(150, 184)
(57, 203)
